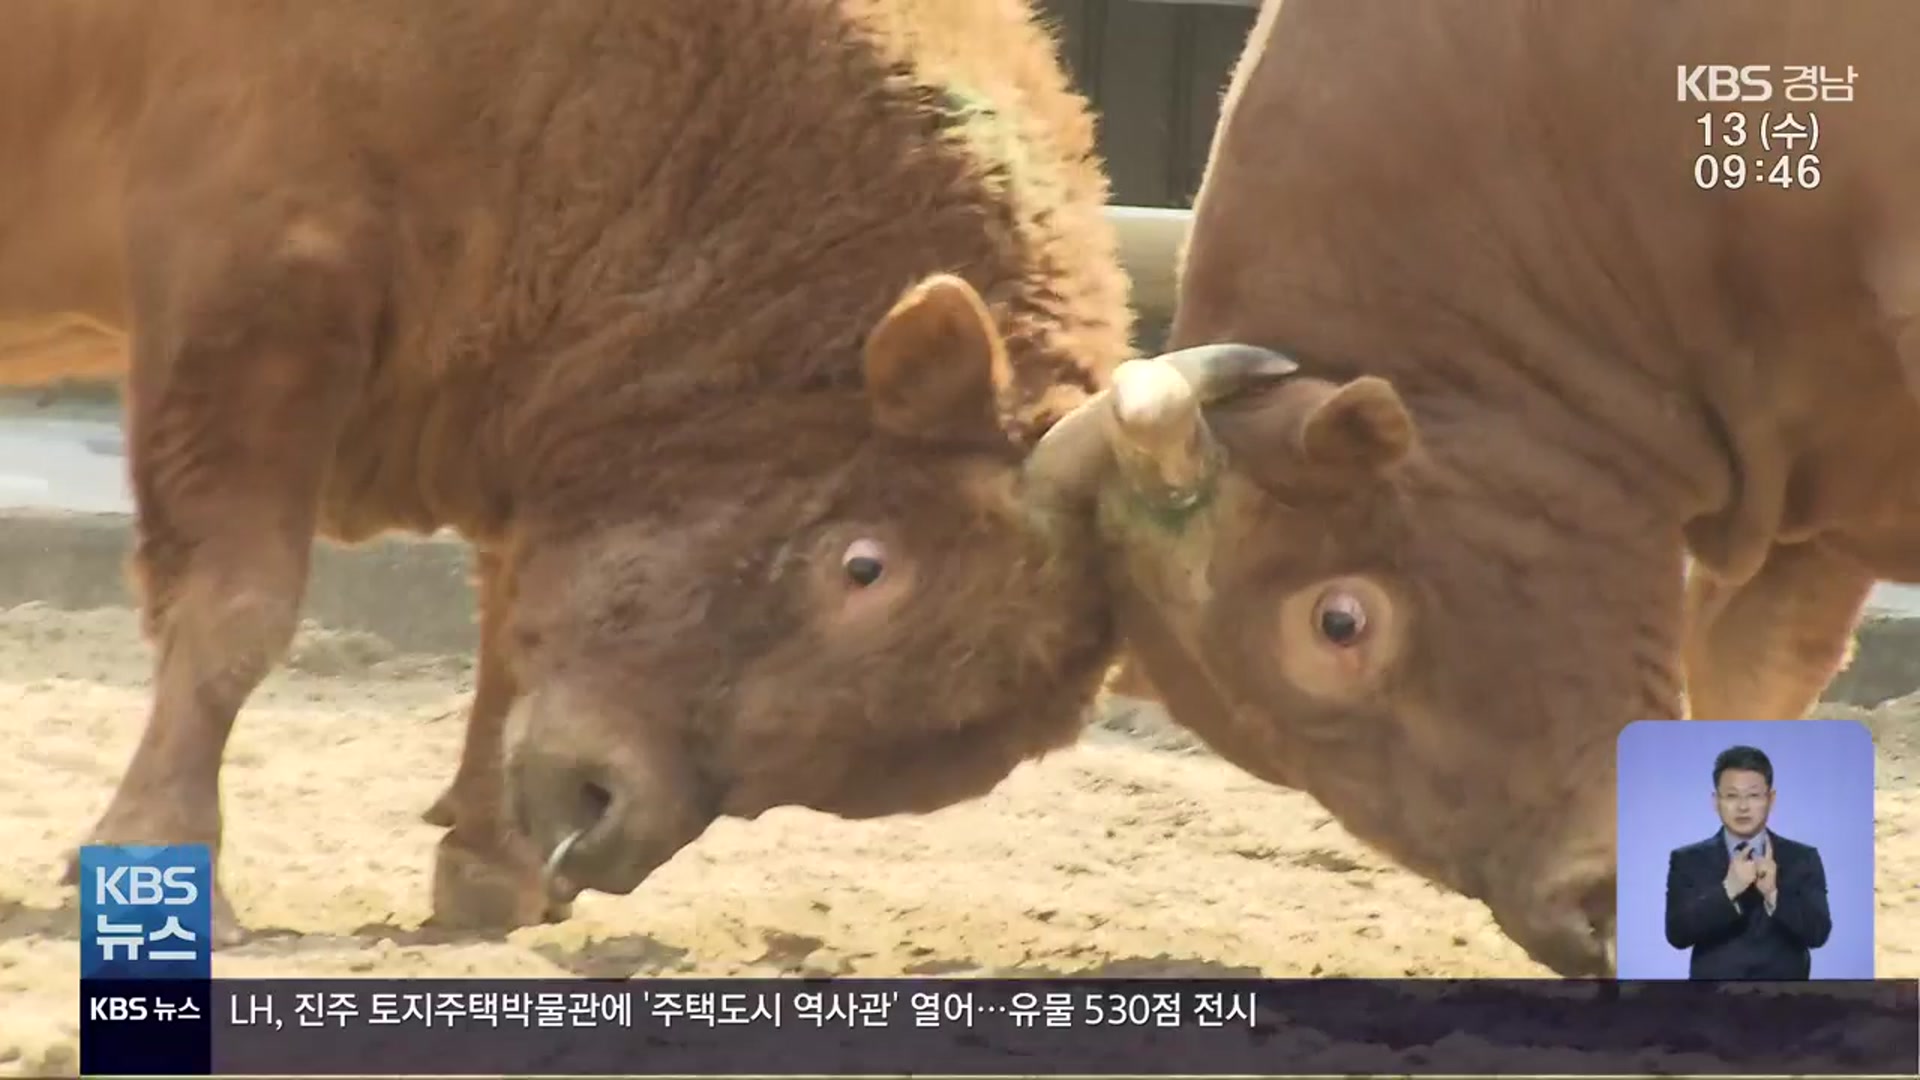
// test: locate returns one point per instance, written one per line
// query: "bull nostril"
(589, 807)
(595, 801)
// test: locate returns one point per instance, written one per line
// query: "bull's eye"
(1341, 617)
(864, 562)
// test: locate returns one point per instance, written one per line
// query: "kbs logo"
(146, 912)
(143, 1029)
(173, 885)
(1725, 82)
(117, 1008)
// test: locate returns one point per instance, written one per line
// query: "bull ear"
(1362, 425)
(935, 364)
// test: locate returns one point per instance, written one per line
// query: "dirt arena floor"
(1133, 854)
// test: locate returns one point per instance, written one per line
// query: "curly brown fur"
(646, 300)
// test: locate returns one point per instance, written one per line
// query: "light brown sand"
(1131, 853)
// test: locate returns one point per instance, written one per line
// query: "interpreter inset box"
(1745, 850)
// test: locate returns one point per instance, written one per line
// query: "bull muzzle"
(1150, 426)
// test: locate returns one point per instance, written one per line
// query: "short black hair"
(1744, 758)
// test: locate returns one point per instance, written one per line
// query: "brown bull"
(722, 329)
(1431, 576)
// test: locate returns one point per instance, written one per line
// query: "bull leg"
(1765, 650)
(493, 694)
(233, 418)
(486, 874)
(256, 320)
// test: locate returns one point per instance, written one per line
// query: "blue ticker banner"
(146, 960)
(1035, 1027)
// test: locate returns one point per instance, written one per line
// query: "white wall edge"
(1150, 241)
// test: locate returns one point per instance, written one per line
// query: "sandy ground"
(1134, 853)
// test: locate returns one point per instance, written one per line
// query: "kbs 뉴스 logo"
(146, 912)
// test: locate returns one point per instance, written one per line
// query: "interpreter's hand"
(1741, 874)
(1767, 877)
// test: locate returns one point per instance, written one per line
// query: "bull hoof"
(495, 885)
(227, 931)
(441, 814)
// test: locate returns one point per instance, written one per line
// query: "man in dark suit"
(1750, 903)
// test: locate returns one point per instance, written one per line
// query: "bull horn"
(1160, 439)
(1067, 463)
(1150, 419)
(1220, 371)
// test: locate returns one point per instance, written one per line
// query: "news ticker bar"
(973, 1027)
